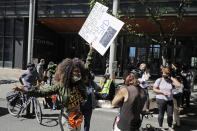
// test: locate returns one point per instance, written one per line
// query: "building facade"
(58, 22)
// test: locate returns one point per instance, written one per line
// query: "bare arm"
(120, 97)
(156, 90)
(175, 82)
(103, 83)
(21, 81)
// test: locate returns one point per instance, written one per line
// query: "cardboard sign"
(108, 30)
(100, 28)
(89, 29)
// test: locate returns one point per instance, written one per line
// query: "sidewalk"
(9, 77)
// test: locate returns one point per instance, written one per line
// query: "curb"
(187, 121)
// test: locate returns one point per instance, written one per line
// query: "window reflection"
(155, 51)
(19, 27)
(194, 62)
(9, 27)
(8, 52)
(1, 51)
(1, 27)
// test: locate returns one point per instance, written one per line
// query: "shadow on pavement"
(3, 111)
(149, 127)
(50, 120)
(7, 81)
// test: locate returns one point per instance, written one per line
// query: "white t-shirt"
(143, 80)
(164, 86)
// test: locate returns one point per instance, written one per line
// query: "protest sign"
(100, 28)
(108, 30)
(89, 29)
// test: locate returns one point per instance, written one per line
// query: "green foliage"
(104, 2)
(156, 14)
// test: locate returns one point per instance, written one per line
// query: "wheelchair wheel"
(38, 111)
(14, 107)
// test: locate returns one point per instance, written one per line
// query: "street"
(102, 120)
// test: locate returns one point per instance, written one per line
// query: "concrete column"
(31, 30)
(112, 57)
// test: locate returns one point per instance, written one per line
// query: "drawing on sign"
(109, 34)
(103, 27)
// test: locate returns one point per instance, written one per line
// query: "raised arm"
(175, 82)
(89, 59)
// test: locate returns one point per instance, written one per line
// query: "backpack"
(11, 97)
(75, 118)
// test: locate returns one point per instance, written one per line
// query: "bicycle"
(17, 104)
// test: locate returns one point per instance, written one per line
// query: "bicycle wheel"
(38, 111)
(14, 107)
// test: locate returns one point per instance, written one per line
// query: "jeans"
(186, 96)
(147, 103)
(87, 117)
(162, 107)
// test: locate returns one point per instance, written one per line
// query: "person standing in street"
(164, 98)
(70, 88)
(131, 100)
(40, 68)
(88, 106)
(187, 80)
(143, 78)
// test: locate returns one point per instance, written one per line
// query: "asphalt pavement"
(9, 78)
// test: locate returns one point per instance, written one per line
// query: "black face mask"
(166, 76)
(143, 70)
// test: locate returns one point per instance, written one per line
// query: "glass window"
(2, 10)
(132, 51)
(76, 9)
(58, 9)
(8, 52)
(194, 62)
(132, 54)
(141, 55)
(1, 27)
(155, 51)
(1, 51)
(10, 10)
(22, 10)
(9, 27)
(19, 30)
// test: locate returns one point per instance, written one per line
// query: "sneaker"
(176, 125)
(162, 129)
(170, 129)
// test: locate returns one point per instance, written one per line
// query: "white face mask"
(76, 78)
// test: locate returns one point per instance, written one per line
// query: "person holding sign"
(71, 89)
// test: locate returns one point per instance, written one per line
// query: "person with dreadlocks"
(69, 86)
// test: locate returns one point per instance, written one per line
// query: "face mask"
(30, 68)
(165, 76)
(75, 78)
(143, 70)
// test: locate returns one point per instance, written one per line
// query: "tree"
(156, 14)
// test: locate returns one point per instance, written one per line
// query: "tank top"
(130, 111)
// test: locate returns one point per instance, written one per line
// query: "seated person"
(107, 88)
